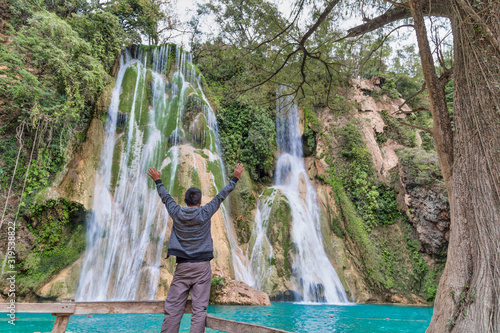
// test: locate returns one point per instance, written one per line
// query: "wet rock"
(287, 296)
(231, 292)
(279, 233)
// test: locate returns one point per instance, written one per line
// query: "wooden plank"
(231, 326)
(113, 307)
(68, 308)
(60, 323)
(118, 307)
(87, 308)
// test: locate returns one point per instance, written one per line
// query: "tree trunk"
(468, 294)
(442, 130)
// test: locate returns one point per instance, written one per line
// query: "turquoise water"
(287, 316)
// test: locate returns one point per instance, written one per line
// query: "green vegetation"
(215, 168)
(375, 201)
(423, 167)
(217, 281)
(388, 251)
(390, 256)
(397, 131)
(247, 135)
(59, 239)
(54, 72)
(279, 232)
(387, 87)
(311, 128)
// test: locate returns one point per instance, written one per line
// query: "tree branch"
(415, 126)
(282, 31)
(433, 7)
(422, 89)
(320, 20)
(272, 75)
(389, 16)
(382, 43)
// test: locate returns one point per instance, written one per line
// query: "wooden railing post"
(60, 323)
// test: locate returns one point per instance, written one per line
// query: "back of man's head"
(193, 196)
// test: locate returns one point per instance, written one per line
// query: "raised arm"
(214, 204)
(166, 198)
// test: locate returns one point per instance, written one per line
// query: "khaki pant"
(194, 277)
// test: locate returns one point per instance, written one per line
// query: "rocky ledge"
(226, 291)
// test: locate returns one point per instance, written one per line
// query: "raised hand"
(238, 171)
(155, 175)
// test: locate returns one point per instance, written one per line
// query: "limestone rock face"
(79, 181)
(384, 157)
(230, 292)
(242, 204)
(430, 214)
(425, 202)
(64, 284)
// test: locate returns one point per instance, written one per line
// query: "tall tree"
(468, 293)
(469, 149)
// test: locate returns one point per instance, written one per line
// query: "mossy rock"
(242, 208)
(128, 89)
(279, 232)
(115, 164)
(198, 130)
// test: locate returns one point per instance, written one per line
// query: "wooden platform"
(64, 310)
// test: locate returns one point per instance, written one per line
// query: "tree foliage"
(248, 135)
(69, 69)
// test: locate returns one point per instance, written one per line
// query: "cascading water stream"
(157, 95)
(313, 276)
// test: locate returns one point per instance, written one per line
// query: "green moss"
(201, 153)
(115, 164)
(143, 103)
(176, 189)
(268, 191)
(337, 228)
(242, 208)
(170, 124)
(195, 179)
(128, 89)
(279, 232)
(200, 131)
(215, 168)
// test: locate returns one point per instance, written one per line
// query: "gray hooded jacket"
(191, 239)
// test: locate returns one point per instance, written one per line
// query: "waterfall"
(313, 276)
(158, 116)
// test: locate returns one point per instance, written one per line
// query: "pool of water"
(293, 317)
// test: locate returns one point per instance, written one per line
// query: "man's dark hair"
(193, 196)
